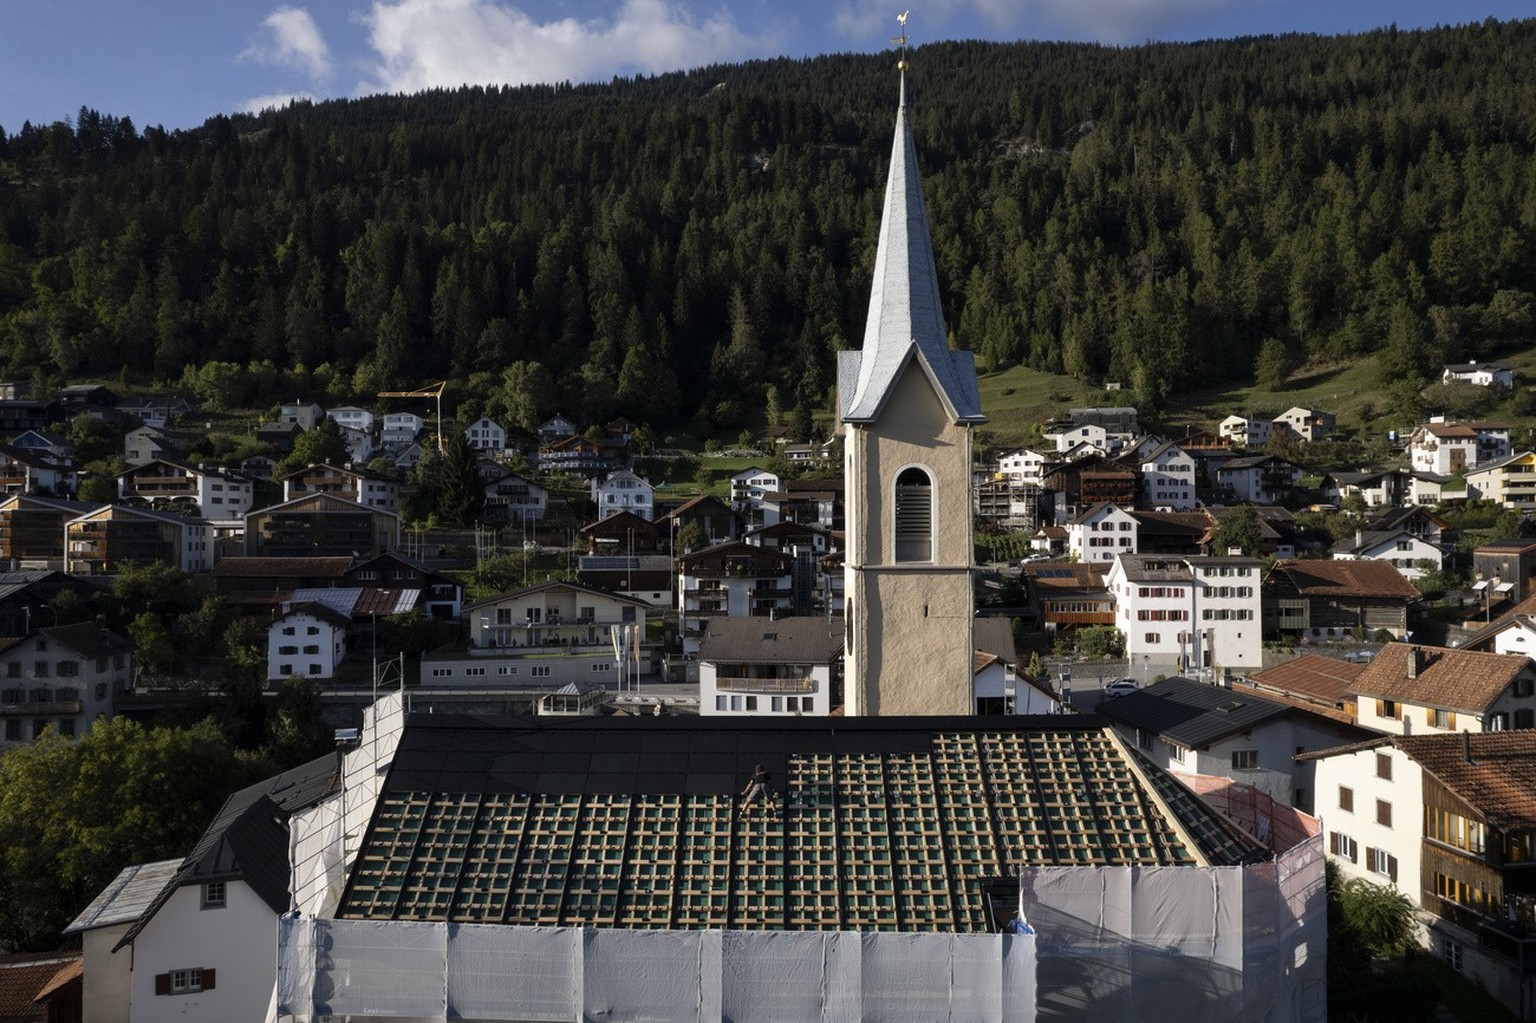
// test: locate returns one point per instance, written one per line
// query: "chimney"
(1466, 747)
(1415, 661)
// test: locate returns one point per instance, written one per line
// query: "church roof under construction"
(877, 823)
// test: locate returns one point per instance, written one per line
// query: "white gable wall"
(236, 941)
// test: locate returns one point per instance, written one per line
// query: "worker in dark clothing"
(760, 786)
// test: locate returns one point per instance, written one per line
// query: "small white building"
(1099, 533)
(1401, 549)
(1309, 424)
(750, 486)
(308, 641)
(1485, 374)
(350, 417)
(1442, 448)
(306, 415)
(1183, 614)
(1260, 479)
(622, 490)
(1023, 467)
(400, 428)
(1168, 477)
(1067, 437)
(485, 434)
(1245, 431)
(769, 666)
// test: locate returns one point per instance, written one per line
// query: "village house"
(1413, 689)
(1309, 424)
(1399, 548)
(1315, 601)
(320, 524)
(1260, 479)
(1486, 374)
(731, 580)
(166, 485)
(1099, 533)
(350, 417)
(399, 429)
(749, 487)
(307, 641)
(485, 434)
(1064, 597)
(112, 537)
(1023, 467)
(32, 529)
(62, 677)
(1504, 570)
(1319, 683)
(1246, 431)
(146, 444)
(514, 498)
(757, 666)
(1187, 614)
(1199, 728)
(306, 415)
(1450, 822)
(1509, 481)
(622, 490)
(1442, 448)
(368, 489)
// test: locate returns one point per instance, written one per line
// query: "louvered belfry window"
(914, 516)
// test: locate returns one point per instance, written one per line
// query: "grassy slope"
(1017, 400)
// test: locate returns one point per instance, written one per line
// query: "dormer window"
(914, 516)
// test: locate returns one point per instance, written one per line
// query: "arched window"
(914, 515)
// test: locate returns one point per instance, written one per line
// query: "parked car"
(1120, 687)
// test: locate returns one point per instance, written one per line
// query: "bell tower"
(907, 404)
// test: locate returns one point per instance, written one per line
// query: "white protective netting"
(1159, 944)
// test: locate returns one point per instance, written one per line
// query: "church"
(907, 405)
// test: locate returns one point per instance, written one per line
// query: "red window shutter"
(208, 978)
(162, 983)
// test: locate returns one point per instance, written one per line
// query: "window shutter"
(1429, 715)
(1452, 721)
(162, 983)
(208, 978)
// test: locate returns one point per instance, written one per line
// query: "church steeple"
(906, 318)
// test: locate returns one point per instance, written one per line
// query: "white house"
(29, 472)
(198, 944)
(750, 486)
(146, 443)
(1168, 477)
(485, 434)
(1400, 548)
(1447, 820)
(308, 641)
(359, 444)
(64, 677)
(1260, 479)
(368, 489)
(1412, 689)
(1486, 374)
(1187, 613)
(513, 498)
(350, 417)
(1309, 424)
(622, 490)
(731, 580)
(161, 483)
(1201, 728)
(1246, 432)
(769, 666)
(304, 414)
(1023, 467)
(400, 428)
(1442, 448)
(1101, 532)
(1067, 437)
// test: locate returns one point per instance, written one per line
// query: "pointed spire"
(905, 315)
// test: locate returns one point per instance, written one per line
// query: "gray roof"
(248, 839)
(124, 900)
(806, 640)
(1193, 714)
(906, 319)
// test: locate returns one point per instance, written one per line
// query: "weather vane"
(901, 40)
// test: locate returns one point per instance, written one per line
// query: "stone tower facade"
(907, 405)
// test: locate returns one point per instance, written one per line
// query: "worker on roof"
(760, 785)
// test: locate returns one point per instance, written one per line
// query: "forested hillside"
(695, 247)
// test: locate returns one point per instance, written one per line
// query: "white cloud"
(424, 44)
(276, 101)
(292, 39)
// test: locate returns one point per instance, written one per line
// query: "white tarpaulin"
(514, 973)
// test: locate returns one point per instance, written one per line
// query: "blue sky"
(177, 62)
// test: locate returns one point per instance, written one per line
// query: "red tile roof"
(1327, 578)
(1452, 679)
(1313, 676)
(1499, 781)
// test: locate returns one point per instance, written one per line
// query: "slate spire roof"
(906, 318)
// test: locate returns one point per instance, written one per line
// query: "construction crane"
(432, 391)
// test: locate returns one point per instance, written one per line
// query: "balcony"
(57, 707)
(742, 684)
